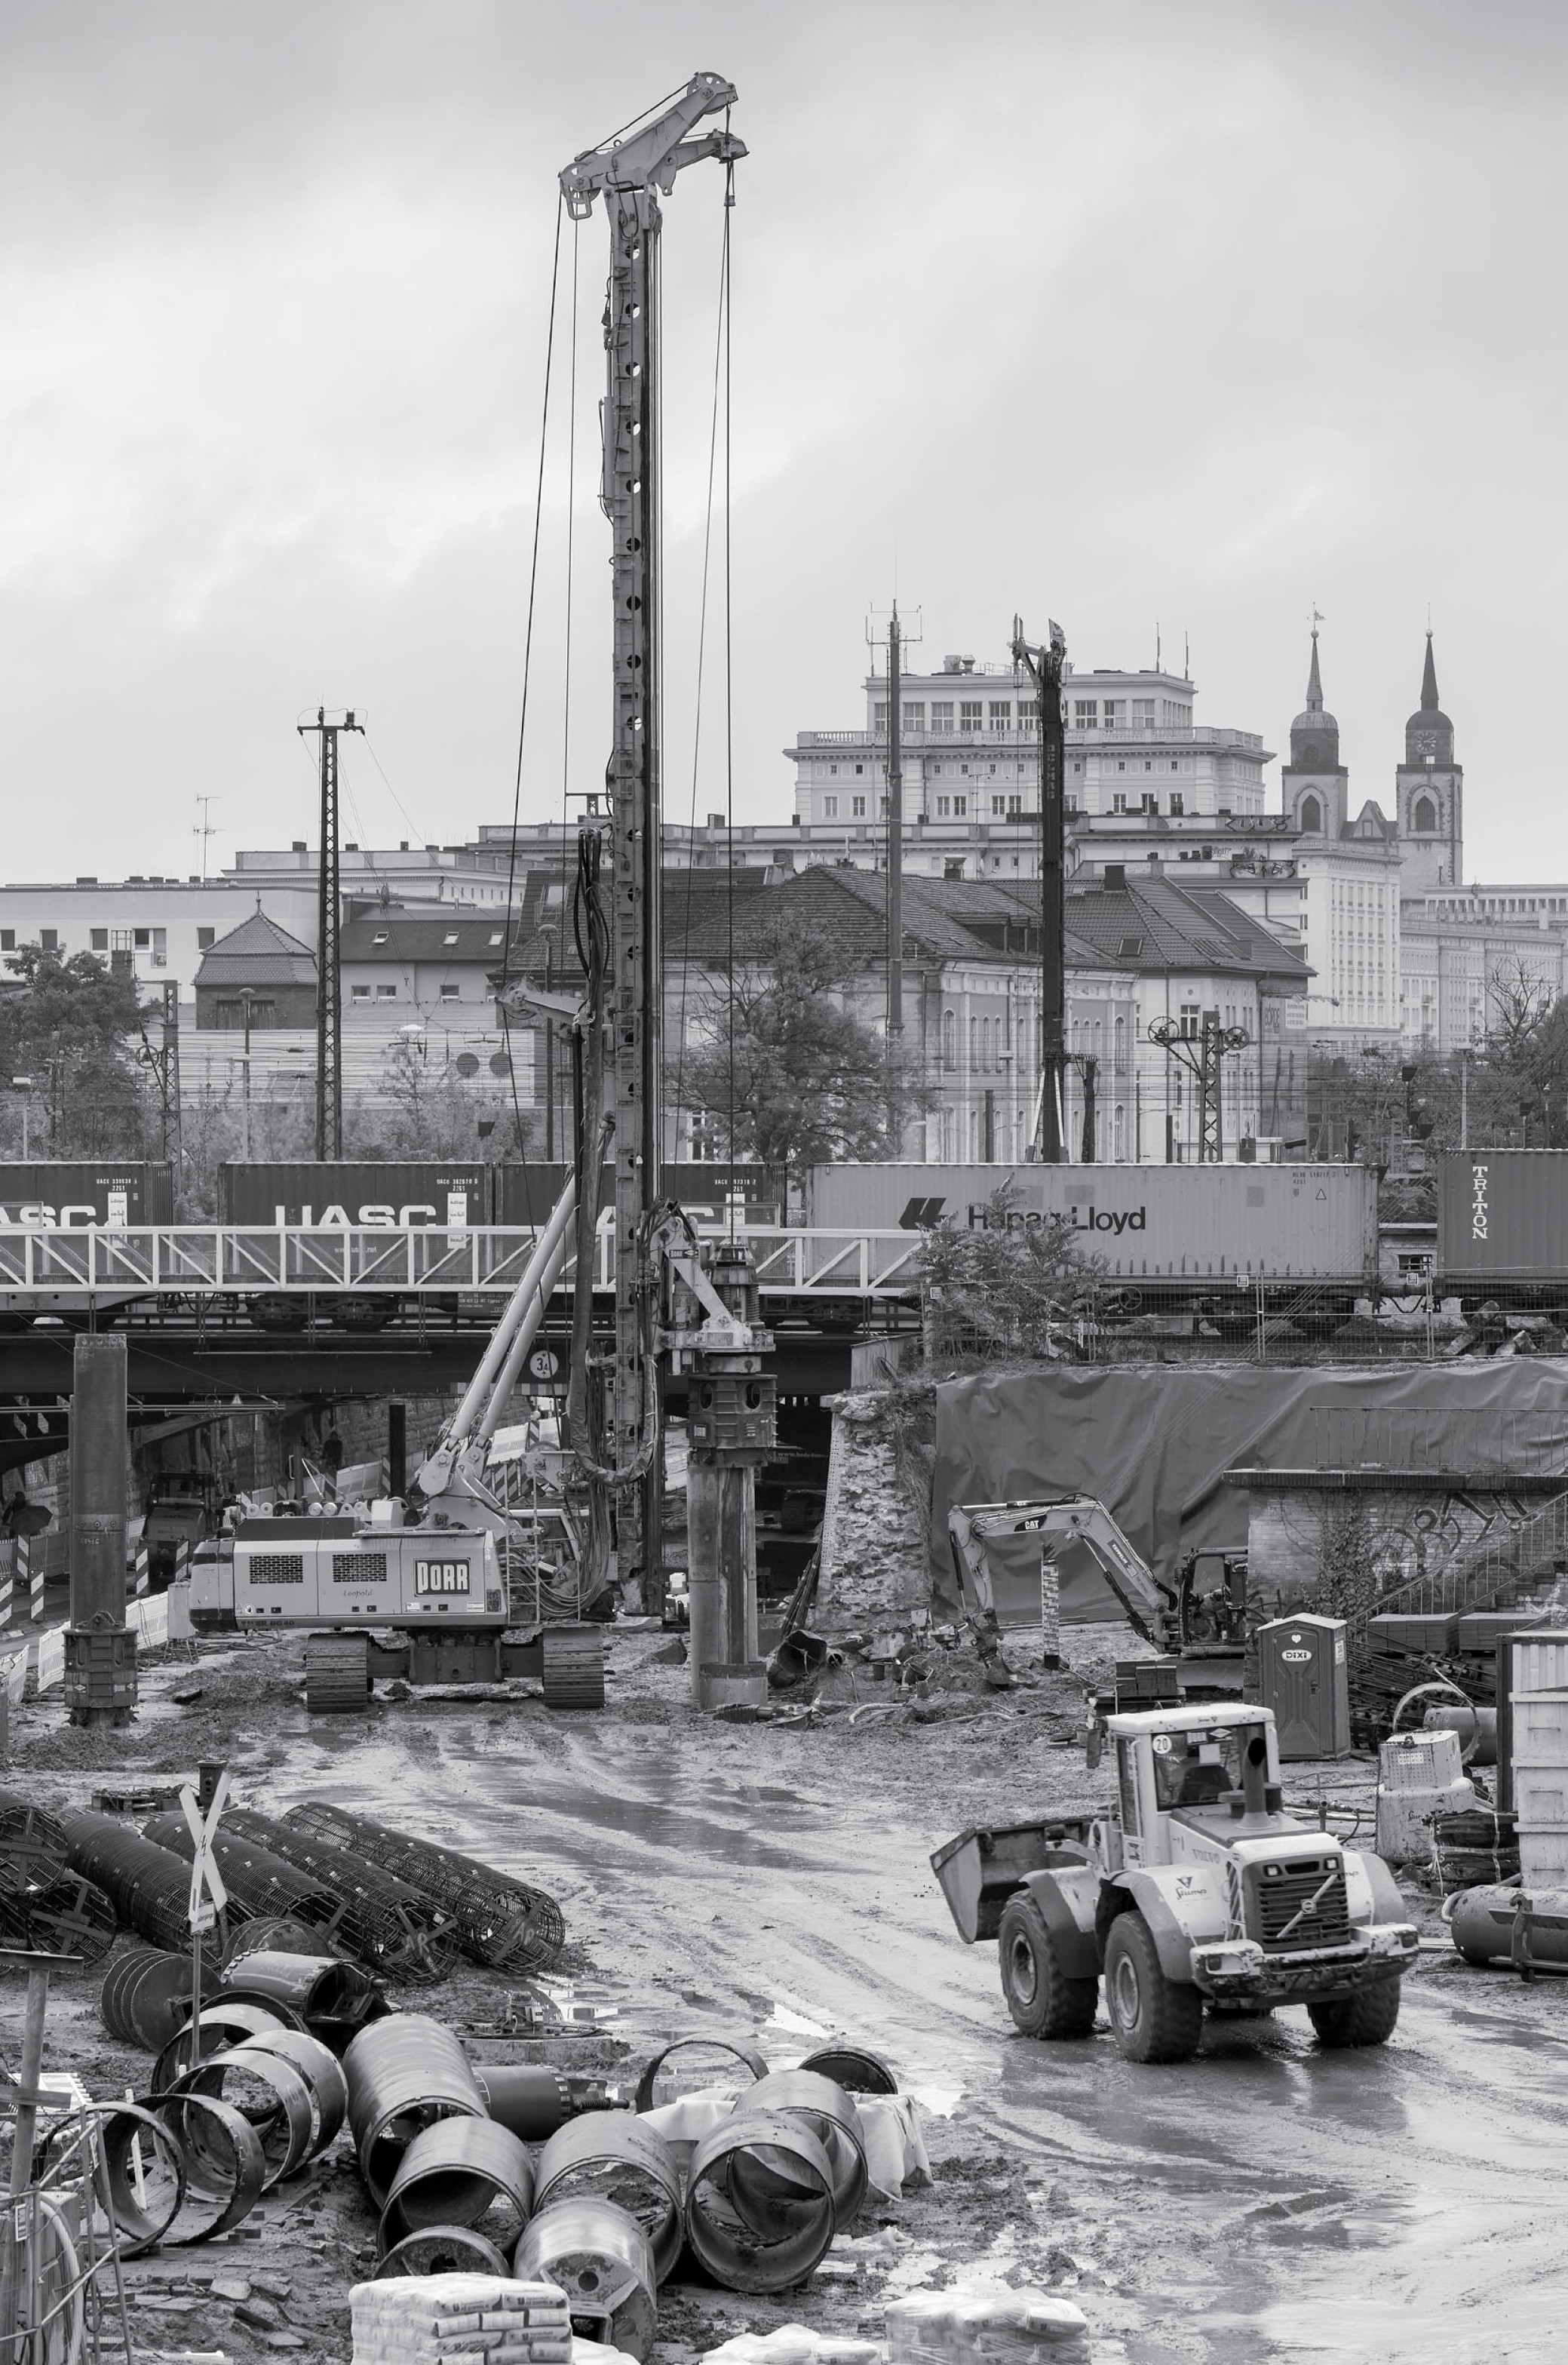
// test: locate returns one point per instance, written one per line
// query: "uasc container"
(352, 1193)
(71, 1194)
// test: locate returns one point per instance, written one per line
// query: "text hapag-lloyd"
(1077, 1218)
(1480, 1210)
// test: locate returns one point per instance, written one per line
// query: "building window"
(450, 993)
(832, 772)
(1425, 814)
(1118, 801)
(858, 807)
(1149, 804)
(1112, 716)
(386, 993)
(1142, 714)
(450, 939)
(1178, 801)
(205, 939)
(830, 808)
(8, 940)
(359, 992)
(942, 715)
(1311, 815)
(914, 714)
(1190, 1019)
(1001, 712)
(998, 807)
(944, 808)
(99, 939)
(949, 1041)
(1086, 713)
(960, 806)
(880, 715)
(860, 767)
(969, 714)
(49, 940)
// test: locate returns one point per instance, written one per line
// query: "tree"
(783, 1071)
(72, 1025)
(1010, 1286)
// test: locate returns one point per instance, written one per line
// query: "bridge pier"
(100, 1653)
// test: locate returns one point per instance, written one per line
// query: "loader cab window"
(1196, 1768)
(1126, 1774)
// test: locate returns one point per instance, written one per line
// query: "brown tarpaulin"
(1154, 1445)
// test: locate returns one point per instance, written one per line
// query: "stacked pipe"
(385, 1922)
(149, 1886)
(503, 1923)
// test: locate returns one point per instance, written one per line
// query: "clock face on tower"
(1425, 743)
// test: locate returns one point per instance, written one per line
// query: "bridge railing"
(222, 1260)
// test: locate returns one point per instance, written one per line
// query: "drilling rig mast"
(631, 172)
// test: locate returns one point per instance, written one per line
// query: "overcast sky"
(1196, 314)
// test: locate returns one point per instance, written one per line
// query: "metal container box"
(1503, 1216)
(440, 1194)
(1538, 1762)
(1305, 1677)
(1539, 1661)
(70, 1194)
(1187, 1224)
(1434, 1634)
(523, 1195)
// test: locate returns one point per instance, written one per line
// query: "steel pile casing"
(1526, 1927)
(599, 2256)
(100, 1654)
(615, 2155)
(773, 2185)
(454, 2173)
(500, 1922)
(404, 2073)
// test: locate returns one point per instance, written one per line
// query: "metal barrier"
(181, 1261)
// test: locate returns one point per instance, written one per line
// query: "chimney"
(1115, 874)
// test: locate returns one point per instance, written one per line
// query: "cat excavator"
(1201, 1616)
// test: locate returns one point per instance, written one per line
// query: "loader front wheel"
(1368, 2017)
(1152, 2018)
(1042, 2000)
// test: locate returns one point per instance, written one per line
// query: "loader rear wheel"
(572, 1667)
(1152, 2018)
(336, 1674)
(1368, 2017)
(1042, 2000)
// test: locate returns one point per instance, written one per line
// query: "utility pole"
(1200, 1055)
(1044, 668)
(628, 173)
(329, 968)
(894, 1023)
(169, 1074)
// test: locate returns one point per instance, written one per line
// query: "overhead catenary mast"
(328, 966)
(1044, 666)
(630, 172)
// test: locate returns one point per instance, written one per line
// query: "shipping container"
(452, 1194)
(69, 1195)
(1503, 1217)
(525, 1193)
(1185, 1224)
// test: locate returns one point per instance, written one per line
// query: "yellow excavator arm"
(1057, 1520)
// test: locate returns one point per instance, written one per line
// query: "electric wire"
(729, 683)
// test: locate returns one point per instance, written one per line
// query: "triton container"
(1503, 1226)
(1168, 1239)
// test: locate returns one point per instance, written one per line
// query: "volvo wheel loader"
(1195, 1893)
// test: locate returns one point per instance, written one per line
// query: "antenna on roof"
(1156, 663)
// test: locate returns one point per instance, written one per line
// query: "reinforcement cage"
(386, 1922)
(502, 1922)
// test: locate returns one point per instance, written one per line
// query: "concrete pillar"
(100, 1655)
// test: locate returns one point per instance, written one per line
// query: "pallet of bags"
(460, 2320)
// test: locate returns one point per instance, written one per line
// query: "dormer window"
(380, 938)
(450, 939)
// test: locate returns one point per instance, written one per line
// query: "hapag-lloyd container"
(1259, 1223)
(1503, 1216)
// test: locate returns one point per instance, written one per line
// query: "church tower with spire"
(1429, 790)
(1315, 785)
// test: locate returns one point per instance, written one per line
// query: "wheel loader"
(1195, 1893)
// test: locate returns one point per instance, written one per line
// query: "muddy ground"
(757, 1881)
